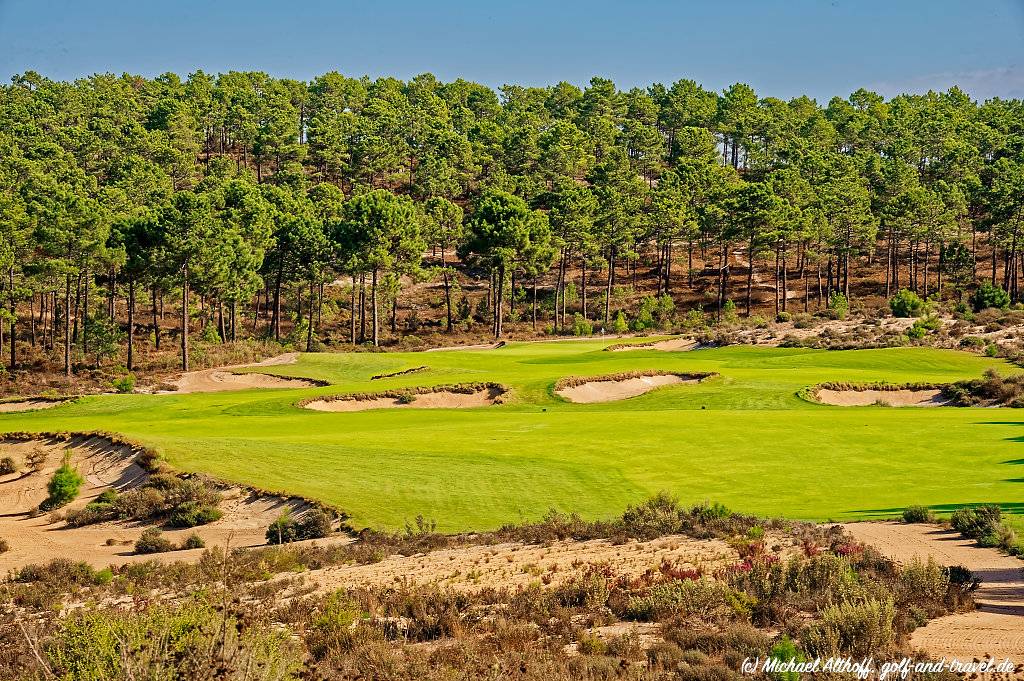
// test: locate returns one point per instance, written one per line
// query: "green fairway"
(743, 438)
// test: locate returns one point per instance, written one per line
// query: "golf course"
(745, 435)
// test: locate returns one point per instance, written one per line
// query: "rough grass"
(744, 438)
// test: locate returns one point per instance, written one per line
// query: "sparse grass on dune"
(743, 438)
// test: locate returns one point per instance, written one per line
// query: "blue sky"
(782, 48)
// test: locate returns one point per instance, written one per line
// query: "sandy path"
(442, 399)
(517, 565)
(609, 391)
(996, 628)
(892, 398)
(108, 466)
(28, 405)
(221, 378)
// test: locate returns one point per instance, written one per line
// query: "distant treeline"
(234, 188)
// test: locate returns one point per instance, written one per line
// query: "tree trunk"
(131, 323)
(608, 287)
(535, 303)
(499, 294)
(373, 294)
(276, 321)
(156, 322)
(184, 319)
(447, 293)
(352, 313)
(309, 321)
(14, 352)
(67, 326)
(750, 271)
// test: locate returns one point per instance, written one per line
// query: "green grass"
(742, 438)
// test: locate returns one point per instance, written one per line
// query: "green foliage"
(103, 336)
(729, 313)
(987, 296)
(63, 486)
(906, 303)
(192, 514)
(125, 384)
(152, 540)
(976, 522)
(581, 326)
(857, 628)
(918, 514)
(193, 541)
(312, 524)
(786, 651)
(620, 325)
(838, 306)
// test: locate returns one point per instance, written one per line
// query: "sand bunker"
(426, 399)
(108, 465)
(671, 345)
(931, 397)
(996, 628)
(29, 405)
(611, 388)
(221, 378)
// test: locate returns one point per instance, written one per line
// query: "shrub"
(838, 306)
(125, 384)
(153, 541)
(141, 503)
(695, 320)
(7, 466)
(63, 486)
(991, 350)
(620, 325)
(4, 546)
(988, 296)
(784, 317)
(193, 541)
(786, 651)
(918, 514)
(192, 513)
(581, 326)
(729, 313)
(906, 303)
(313, 524)
(860, 629)
(590, 644)
(976, 522)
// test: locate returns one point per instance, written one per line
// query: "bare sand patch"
(931, 397)
(516, 565)
(37, 538)
(582, 390)
(996, 628)
(222, 378)
(670, 345)
(440, 398)
(28, 405)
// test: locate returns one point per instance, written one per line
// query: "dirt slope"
(996, 628)
(104, 465)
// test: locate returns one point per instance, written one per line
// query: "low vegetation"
(825, 596)
(181, 502)
(63, 486)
